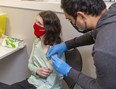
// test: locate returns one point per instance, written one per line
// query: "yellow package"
(2, 23)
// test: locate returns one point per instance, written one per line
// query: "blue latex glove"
(61, 66)
(57, 49)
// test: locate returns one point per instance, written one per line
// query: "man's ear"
(81, 15)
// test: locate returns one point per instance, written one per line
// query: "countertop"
(5, 51)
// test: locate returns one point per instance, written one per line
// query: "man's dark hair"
(52, 27)
(91, 7)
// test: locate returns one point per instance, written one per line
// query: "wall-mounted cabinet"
(109, 0)
(33, 4)
(53, 5)
(44, 0)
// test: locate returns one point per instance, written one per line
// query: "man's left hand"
(60, 66)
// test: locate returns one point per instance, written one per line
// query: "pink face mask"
(38, 30)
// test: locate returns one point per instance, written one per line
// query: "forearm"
(105, 64)
(83, 40)
(82, 80)
(33, 66)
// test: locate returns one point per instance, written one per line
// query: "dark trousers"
(19, 85)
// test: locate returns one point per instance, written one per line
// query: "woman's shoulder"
(37, 40)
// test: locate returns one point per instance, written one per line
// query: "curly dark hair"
(91, 7)
(52, 27)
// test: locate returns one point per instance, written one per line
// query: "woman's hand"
(44, 71)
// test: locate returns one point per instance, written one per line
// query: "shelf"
(4, 51)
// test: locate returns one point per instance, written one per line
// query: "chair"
(4, 86)
(74, 59)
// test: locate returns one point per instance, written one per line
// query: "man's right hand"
(57, 49)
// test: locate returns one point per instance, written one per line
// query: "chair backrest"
(74, 59)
